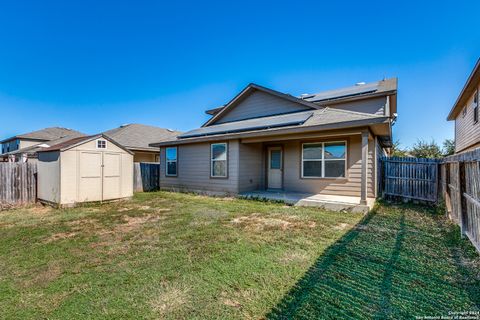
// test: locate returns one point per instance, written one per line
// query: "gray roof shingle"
(140, 136)
(46, 134)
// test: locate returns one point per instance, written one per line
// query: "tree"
(448, 147)
(397, 151)
(424, 149)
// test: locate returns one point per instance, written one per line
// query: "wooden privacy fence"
(18, 183)
(410, 178)
(460, 187)
(146, 176)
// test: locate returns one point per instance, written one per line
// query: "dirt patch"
(294, 257)
(170, 298)
(60, 236)
(40, 209)
(259, 222)
(44, 276)
(341, 226)
(123, 209)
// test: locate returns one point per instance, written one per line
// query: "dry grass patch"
(259, 222)
(170, 298)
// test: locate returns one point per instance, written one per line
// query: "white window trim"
(98, 140)
(167, 161)
(323, 160)
(212, 160)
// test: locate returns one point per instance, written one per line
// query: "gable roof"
(252, 87)
(467, 91)
(139, 136)
(46, 134)
(71, 143)
(324, 119)
(32, 150)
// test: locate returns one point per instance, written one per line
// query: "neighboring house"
(138, 137)
(25, 146)
(466, 115)
(326, 143)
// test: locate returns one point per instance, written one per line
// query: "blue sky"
(94, 65)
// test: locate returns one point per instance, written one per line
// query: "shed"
(84, 169)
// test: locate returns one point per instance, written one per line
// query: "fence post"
(462, 200)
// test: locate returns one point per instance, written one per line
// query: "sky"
(94, 65)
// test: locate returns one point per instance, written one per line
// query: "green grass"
(170, 255)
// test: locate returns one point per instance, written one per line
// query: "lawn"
(170, 255)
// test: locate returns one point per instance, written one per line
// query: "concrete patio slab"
(328, 202)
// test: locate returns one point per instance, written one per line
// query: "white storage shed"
(84, 169)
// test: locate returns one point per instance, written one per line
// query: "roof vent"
(124, 125)
(360, 83)
(304, 95)
(170, 130)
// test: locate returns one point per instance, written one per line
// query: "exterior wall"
(193, 170)
(260, 104)
(145, 156)
(251, 167)
(374, 106)
(28, 143)
(49, 176)
(467, 133)
(349, 186)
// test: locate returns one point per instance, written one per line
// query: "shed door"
(90, 176)
(111, 176)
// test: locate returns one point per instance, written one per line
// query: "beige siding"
(349, 186)
(66, 178)
(467, 133)
(260, 104)
(145, 156)
(28, 143)
(49, 176)
(374, 106)
(252, 167)
(194, 170)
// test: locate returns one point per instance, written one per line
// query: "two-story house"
(466, 115)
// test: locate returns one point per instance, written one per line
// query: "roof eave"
(464, 94)
(276, 131)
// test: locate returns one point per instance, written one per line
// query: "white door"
(275, 164)
(111, 175)
(90, 176)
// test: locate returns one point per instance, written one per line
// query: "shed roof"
(467, 91)
(139, 136)
(71, 143)
(46, 134)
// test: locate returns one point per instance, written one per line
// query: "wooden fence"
(410, 178)
(146, 176)
(460, 187)
(18, 183)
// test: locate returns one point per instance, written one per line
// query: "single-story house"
(24, 147)
(466, 115)
(326, 144)
(84, 169)
(138, 137)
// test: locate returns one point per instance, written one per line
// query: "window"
(101, 144)
(324, 160)
(475, 107)
(464, 111)
(171, 161)
(218, 160)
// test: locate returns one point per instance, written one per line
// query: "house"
(325, 145)
(84, 169)
(138, 137)
(466, 115)
(25, 146)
